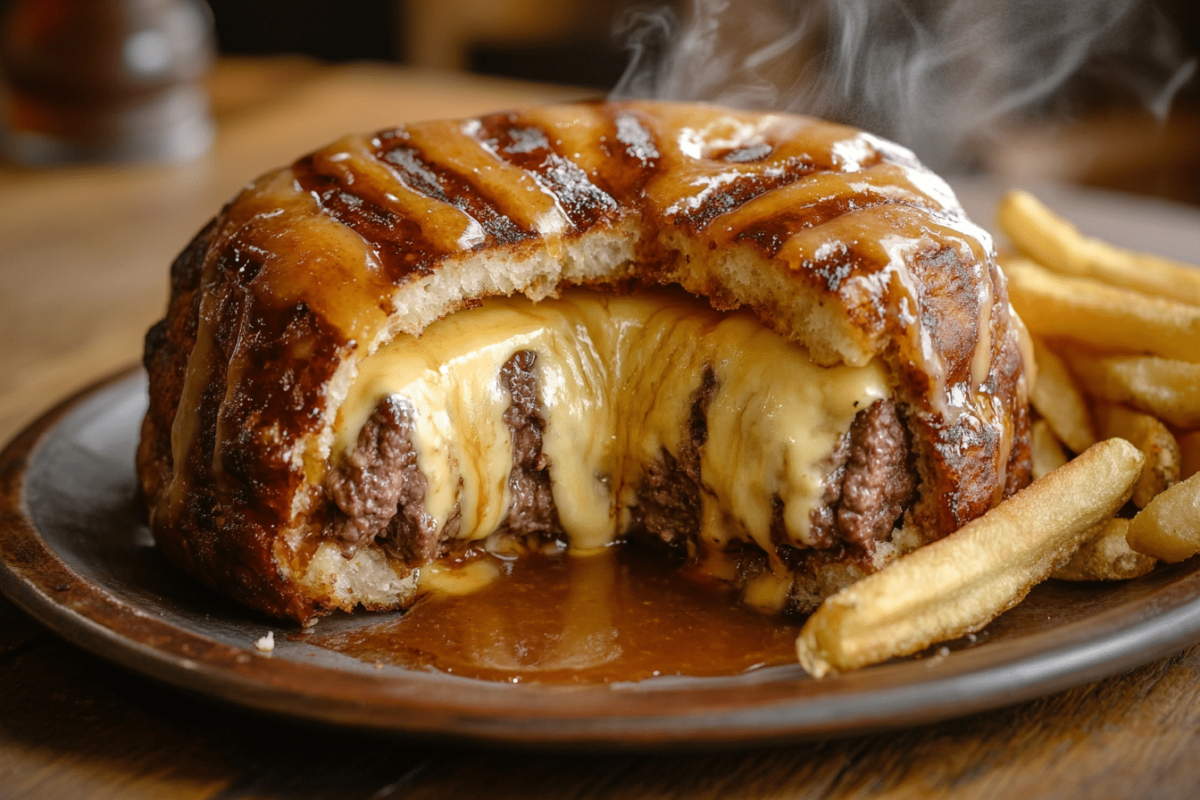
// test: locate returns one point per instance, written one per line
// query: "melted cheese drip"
(617, 379)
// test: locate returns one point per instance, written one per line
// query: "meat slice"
(531, 508)
(871, 481)
(669, 508)
(380, 490)
(378, 486)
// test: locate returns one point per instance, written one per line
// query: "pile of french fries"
(1116, 451)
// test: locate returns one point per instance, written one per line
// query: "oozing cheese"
(617, 377)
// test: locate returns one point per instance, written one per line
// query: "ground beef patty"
(870, 483)
(379, 489)
(531, 507)
(670, 497)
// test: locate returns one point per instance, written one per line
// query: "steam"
(941, 76)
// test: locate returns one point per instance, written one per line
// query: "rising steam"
(941, 76)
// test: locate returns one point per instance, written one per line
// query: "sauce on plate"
(619, 615)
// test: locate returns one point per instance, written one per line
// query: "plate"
(75, 552)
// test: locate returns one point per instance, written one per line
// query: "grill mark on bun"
(733, 194)
(769, 234)
(748, 154)
(632, 157)
(637, 140)
(397, 241)
(818, 199)
(420, 171)
(529, 147)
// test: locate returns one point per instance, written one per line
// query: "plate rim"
(37, 579)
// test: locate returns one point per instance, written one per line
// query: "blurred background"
(1083, 92)
(126, 124)
(554, 41)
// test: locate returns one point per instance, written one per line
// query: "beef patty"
(379, 490)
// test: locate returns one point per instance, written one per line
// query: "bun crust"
(836, 239)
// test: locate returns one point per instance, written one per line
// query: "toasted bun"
(836, 240)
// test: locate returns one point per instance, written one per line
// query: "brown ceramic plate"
(76, 553)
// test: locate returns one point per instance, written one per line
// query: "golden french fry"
(1047, 452)
(1150, 436)
(1060, 403)
(1106, 557)
(960, 583)
(1189, 451)
(1167, 389)
(1091, 313)
(1057, 244)
(1169, 528)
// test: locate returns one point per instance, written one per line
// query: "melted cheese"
(617, 379)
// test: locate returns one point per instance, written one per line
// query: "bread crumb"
(266, 644)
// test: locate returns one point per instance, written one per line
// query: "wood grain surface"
(83, 258)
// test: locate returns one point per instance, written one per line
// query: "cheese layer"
(617, 378)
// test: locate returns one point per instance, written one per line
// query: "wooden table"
(83, 258)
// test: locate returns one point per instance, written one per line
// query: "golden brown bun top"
(837, 239)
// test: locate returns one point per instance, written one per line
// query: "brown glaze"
(621, 615)
(304, 271)
(398, 243)
(528, 147)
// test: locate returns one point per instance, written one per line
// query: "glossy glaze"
(856, 250)
(622, 614)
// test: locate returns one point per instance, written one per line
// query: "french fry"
(1150, 436)
(1189, 451)
(1169, 390)
(1047, 454)
(1104, 317)
(1169, 528)
(960, 583)
(1057, 244)
(1059, 402)
(1106, 557)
